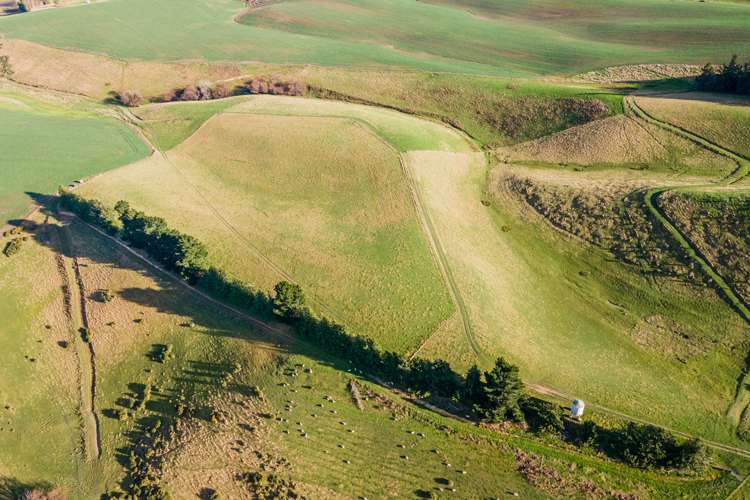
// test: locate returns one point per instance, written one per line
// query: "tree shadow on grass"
(13, 489)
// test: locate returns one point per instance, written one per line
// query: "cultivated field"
(48, 142)
(508, 38)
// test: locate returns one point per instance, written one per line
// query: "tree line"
(495, 395)
(731, 78)
(203, 91)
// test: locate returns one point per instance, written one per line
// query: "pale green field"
(507, 38)
(49, 142)
(327, 206)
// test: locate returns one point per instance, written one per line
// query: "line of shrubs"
(731, 78)
(493, 396)
(204, 91)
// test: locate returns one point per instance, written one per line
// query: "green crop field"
(48, 144)
(507, 38)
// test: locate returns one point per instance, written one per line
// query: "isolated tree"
(503, 390)
(289, 300)
(130, 98)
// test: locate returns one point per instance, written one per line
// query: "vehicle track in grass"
(741, 403)
(74, 295)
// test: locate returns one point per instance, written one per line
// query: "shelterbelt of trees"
(491, 396)
(731, 78)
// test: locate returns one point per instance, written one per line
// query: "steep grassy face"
(168, 126)
(50, 143)
(513, 39)
(494, 111)
(724, 120)
(318, 200)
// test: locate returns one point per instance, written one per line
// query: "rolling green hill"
(501, 38)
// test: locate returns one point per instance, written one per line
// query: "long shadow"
(71, 238)
(12, 488)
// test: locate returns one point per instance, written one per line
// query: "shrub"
(542, 416)
(105, 296)
(189, 93)
(39, 494)
(170, 95)
(204, 90)
(221, 91)
(13, 247)
(130, 98)
(85, 334)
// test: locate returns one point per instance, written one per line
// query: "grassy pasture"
(149, 309)
(549, 304)
(49, 143)
(723, 120)
(39, 436)
(514, 306)
(510, 39)
(620, 142)
(327, 206)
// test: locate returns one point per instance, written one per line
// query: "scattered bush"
(189, 93)
(130, 98)
(275, 87)
(13, 247)
(221, 91)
